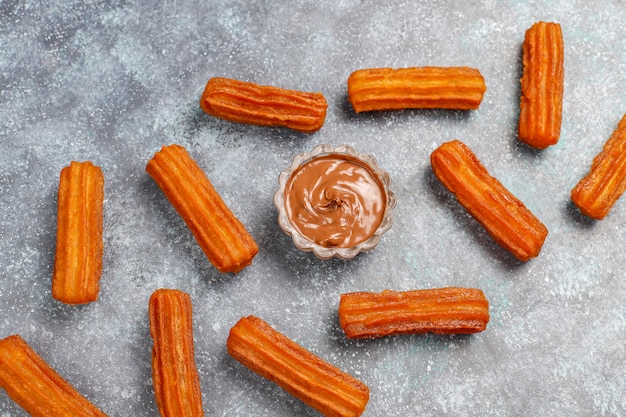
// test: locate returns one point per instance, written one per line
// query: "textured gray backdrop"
(113, 81)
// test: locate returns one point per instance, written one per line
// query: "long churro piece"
(78, 260)
(599, 190)
(541, 101)
(174, 373)
(449, 310)
(36, 387)
(223, 238)
(502, 215)
(246, 102)
(307, 377)
(416, 87)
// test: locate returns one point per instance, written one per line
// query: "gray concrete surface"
(113, 81)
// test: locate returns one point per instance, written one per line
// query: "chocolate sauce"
(335, 200)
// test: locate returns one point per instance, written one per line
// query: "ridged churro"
(416, 87)
(246, 102)
(307, 377)
(504, 217)
(36, 387)
(450, 310)
(599, 190)
(541, 102)
(222, 237)
(79, 247)
(174, 373)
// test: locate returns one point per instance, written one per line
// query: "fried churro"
(504, 217)
(307, 377)
(541, 102)
(416, 87)
(262, 105)
(450, 310)
(174, 373)
(599, 190)
(36, 387)
(79, 249)
(223, 238)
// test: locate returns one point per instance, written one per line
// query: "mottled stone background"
(113, 81)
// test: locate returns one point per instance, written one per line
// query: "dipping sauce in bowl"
(335, 202)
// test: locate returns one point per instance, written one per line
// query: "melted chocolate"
(335, 200)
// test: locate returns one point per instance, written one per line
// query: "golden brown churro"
(502, 215)
(78, 260)
(174, 373)
(246, 102)
(417, 87)
(449, 310)
(36, 387)
(541, 102)
(307, 377)
(605, 183)
(222, 237)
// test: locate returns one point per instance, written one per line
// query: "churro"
(174, 373)
(541, 101)
(416, 87)
(223, 238)
(79, 249)
(450, 310)
(504, 217)
(36, 387)
(307, 377)
(599, 190)
(246, 102)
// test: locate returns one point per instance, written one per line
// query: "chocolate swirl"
(335, 201)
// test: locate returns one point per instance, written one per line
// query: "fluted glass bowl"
(327, 252)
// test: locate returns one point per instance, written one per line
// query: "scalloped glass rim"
(307, 245)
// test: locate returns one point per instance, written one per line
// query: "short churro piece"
(245, 102)
(600, 189)
(222, 237)
(542, 85)
(419, 88)
(442, 311)
(307, 377)
(174, 373)
(503, 216)
(36, 387)
(78, 260)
